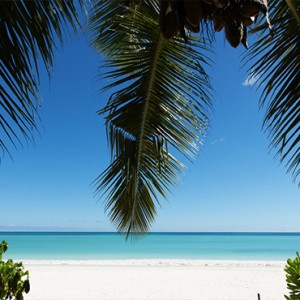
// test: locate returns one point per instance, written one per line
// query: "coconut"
(170, 25)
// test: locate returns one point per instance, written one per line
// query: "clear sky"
(234, 185)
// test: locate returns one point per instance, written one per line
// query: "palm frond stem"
(294, 10)
(152, 72)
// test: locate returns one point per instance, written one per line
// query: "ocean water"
(206, 246)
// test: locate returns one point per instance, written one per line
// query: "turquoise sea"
(215, 246)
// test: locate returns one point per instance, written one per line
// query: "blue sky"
(234, 185)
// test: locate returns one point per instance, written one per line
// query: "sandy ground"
(156, 279)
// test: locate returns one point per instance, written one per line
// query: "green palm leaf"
(29, 30)
(276, 62)
(161, 103)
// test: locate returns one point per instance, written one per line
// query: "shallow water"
(211, 246)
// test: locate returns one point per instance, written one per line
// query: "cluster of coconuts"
(234, 16)
(231, 15)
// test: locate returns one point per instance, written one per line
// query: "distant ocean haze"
(110, 246)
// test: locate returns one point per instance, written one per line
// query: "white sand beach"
(156, 279)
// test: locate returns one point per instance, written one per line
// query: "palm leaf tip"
(28, 32)
(131, 200)
(276, 62)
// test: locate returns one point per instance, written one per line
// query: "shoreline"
(155, 279)
(156, 262)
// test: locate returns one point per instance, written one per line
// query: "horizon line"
(152, 232)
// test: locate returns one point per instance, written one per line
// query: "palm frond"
(29, 30)
(161, 104)
(276, 63)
